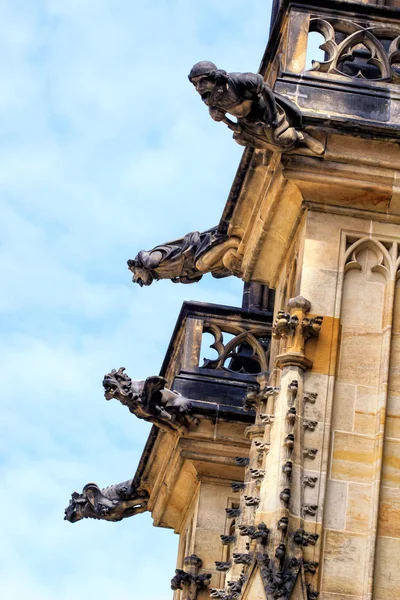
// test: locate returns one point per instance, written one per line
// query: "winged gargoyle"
(186, 260)
(112, 503)
(149, 400)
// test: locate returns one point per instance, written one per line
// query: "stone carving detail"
(259, 532)
(310, 509)
(232, 593)
(190, 581)
(149, 400)
(255, 395)
(311, 327)
(222, 566)
(352, 50)
(310, 397)
(310, 481)
(288, 468)
(283, 524)
(293, 389)
(285, 496)
(310, 453)
(291, 415)
(247, 352)
(237, 487)
(281, 569)
(242, 461)
(186, 260)
(232, 513)
(112, 503)
(302, 538)
(242, 559)
(284, 325)
(265, 120)
(289, 442)
(310, 567)
(278, 582)
(257, 473)
(226, 540)
(221, 594)
(311, 594)
(387, 258)
(310, 425)
(251, 501)
(261, 446)
(296, 328)
(267, 419)
(235, 587)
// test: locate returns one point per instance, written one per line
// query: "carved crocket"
(186, 260)
(149, 399)
(265, 119)
(112, 503)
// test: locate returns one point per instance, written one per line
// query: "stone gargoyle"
(112, 503)
(150, 400)
(265, 119)
(186, 260)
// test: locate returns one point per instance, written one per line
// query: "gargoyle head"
(73, 512)
(86, 505)
(141, 274)
(117, 384)
(206, 78)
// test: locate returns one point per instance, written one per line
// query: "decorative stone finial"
(296, 328)
(190, 581)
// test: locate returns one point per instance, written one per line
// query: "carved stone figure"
(252, 500)
(242, 461)
(222, 566)
(186, 260)
(259, 533)
(112, 503)
(283, 524)
(265, 119)
(310, 453)
(226, 540)
(302, 538)
(233, 513)
(149, 400)
(279, 580)
(190, 581)
(242, 559)
(237, 487)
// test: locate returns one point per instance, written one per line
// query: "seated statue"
(113, 503)
(186, 260)
(149, 400)
(265, 119)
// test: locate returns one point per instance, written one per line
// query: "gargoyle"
(265, 119)
(113, 503)
(149, 400)
(186, 260)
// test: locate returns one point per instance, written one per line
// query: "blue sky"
(105, 149)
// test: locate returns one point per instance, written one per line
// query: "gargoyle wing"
(175, 400)
(151, 395)
(92, 493)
